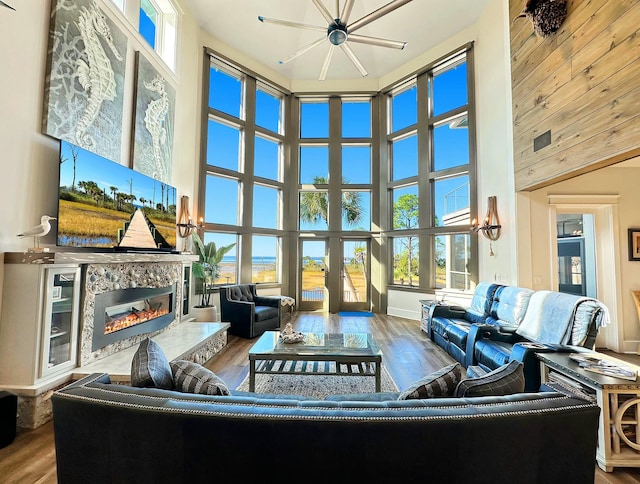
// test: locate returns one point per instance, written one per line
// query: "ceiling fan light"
(337, 34)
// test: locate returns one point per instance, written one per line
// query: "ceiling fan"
(340, 31)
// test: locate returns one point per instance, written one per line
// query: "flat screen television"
(105, 205)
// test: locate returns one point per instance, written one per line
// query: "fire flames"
(135, 316)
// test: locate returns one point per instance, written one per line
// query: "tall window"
(430, 177)
(243, 172)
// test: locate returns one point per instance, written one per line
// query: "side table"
(431, 308)
(619, 402)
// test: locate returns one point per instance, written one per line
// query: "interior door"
(571, 269)
(313, 264)
(355, 275)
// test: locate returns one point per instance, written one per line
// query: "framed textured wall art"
(84, 87)
(155, 101)
(634, 244)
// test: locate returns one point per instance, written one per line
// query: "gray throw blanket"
(549, 317)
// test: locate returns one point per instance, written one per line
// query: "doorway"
(313, 275)
(355, 275)
(576, 254)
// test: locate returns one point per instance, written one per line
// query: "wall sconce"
(185, 224)
(491, 226)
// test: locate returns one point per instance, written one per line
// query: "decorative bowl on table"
(294, 337)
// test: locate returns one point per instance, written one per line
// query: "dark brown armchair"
(250, 315)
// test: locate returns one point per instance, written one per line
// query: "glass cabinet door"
(60, 328)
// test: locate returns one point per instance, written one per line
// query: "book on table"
(605, 365)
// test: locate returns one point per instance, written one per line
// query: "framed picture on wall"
(634, 244)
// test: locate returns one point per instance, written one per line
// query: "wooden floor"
(408, 355)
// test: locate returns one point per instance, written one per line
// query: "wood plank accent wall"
(583, 84)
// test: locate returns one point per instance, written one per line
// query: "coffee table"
(354, 354)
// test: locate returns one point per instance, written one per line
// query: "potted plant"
(205, 271)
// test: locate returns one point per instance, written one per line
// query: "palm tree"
(314, 206)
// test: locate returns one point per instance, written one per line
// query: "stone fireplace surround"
(103, 278)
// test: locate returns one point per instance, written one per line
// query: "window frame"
(427, 230)
(244, 230)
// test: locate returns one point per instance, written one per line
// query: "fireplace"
(123, 303)
(128, 312)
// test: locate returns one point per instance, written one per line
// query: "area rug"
(357, 314)
(319, 386)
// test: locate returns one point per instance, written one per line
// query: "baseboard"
(404, 313)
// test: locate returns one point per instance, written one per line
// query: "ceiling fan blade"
(365, 39)
(351, 55)
(327, 61)
(323, 10)
(346, 11)
(337, 8)
(367, 19)
(5, 5)
(290, 24)
(301, 51)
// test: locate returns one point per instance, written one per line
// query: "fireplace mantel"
(63, 257)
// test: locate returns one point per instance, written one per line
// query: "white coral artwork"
(155, 107)
(85, 80)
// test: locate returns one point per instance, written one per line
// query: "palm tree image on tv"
(105, 204)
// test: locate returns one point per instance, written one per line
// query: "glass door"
(355, 275)
(313, 266)
(60, 328)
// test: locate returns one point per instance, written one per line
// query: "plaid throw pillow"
(190, 377)
(441, 383)
(150, 367)
(506, 380)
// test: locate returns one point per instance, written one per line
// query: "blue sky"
(106, 173)
(451, 149)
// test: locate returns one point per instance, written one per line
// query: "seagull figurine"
(39, 230)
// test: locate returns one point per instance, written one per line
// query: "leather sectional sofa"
(505, 323)
(116, 433)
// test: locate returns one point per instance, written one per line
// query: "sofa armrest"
(273, 301)
(237, 311)
(505, 334)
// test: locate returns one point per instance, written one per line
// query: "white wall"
(494, 138)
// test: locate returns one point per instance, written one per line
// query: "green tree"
(405, 216)
(314, 206)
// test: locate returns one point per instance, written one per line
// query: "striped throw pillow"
(506, 380)
(441, 383)
(190, 377)
(150, 367)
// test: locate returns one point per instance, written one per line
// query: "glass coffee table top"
(320, 344)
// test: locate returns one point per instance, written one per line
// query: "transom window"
(157, 23)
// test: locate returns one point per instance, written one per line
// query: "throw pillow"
(150, 367)
(190, 377)
(441, 383)
(506, 380)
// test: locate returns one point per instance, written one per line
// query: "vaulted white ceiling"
(423, 24)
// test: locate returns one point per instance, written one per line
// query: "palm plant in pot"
(205, 271)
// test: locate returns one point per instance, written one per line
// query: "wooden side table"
(619, 402)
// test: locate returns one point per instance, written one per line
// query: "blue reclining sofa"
(506, 323)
